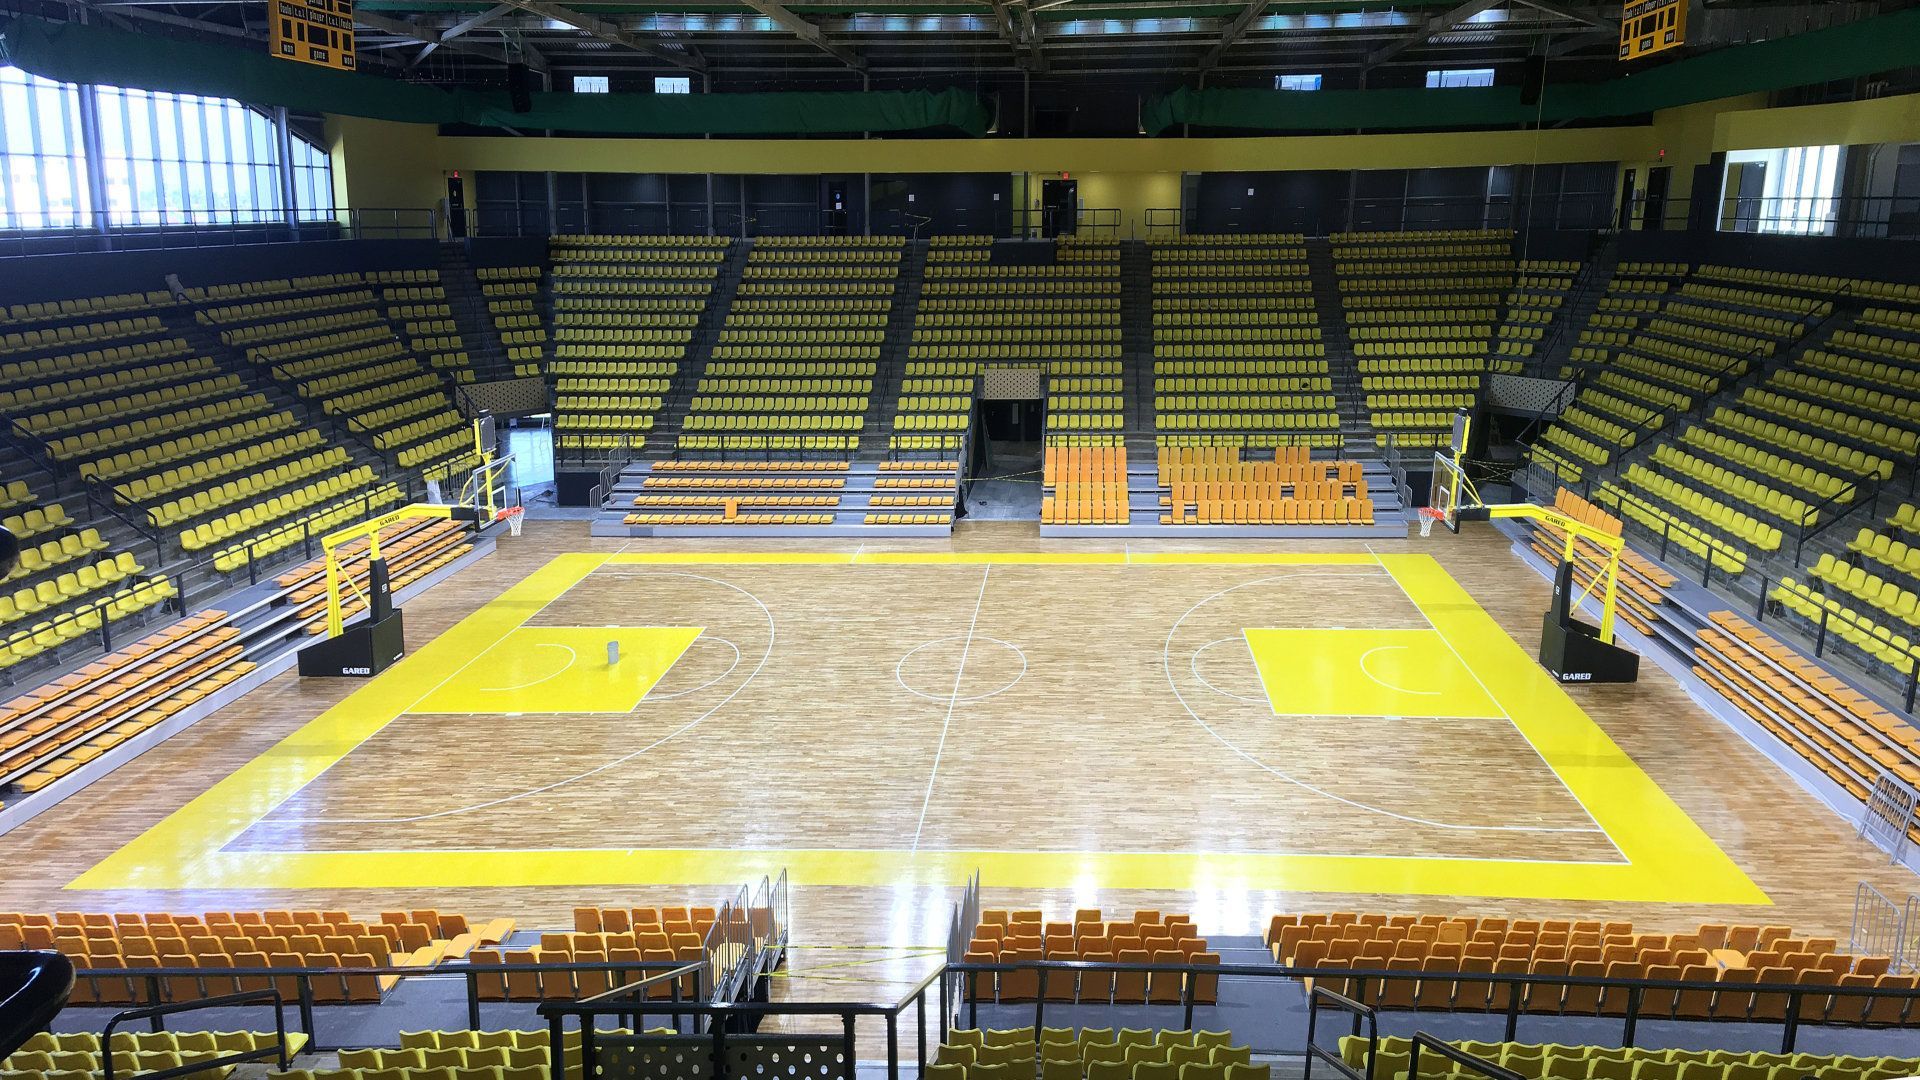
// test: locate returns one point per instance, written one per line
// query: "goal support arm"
(370, 528)
(1573, 530)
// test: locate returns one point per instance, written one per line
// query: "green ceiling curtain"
(1840, 52)
(75, 52)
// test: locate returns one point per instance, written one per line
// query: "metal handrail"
(1360, 1013)
(696, 968)
(153, 980)
(1474, 1063)
(278, 1051)
(1514, 982)
(1806, 326)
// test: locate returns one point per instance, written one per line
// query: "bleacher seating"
(1237, 353)
(935, 402)
(795, 493)
(520, 309)
(624, 311)
(1532, 308)
(983, 308)
(76, 1055)
(328, 340)
(1732, 957)
(1146, 937)
(1391, 1059)
(1092, 1054)
(794, 367)
(1614, 410)
(247, 940)
(1421, 308)
(1216, 486)
(1084, 485)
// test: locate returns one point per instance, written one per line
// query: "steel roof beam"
(806, 32)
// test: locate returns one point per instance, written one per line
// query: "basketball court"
(1347, 721)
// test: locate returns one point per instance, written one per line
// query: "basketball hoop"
(1428, 515)
(514, 516)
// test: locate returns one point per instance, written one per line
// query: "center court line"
(1484, 688)
(952, 700)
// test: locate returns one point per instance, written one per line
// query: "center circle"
(958, 669)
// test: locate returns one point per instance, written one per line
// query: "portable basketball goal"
(371, 645)
(1572, 650)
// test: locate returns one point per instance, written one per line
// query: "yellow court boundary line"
(1669, 858)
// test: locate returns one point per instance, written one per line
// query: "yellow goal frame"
(483, 509)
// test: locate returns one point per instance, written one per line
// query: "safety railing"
(725, 1023)
(1720, 378)
(1584, 487)
(1463, 1062)
(309, 1006)
(1512, 996)
(1818, 517)
(154, 1013)
(1878, 217)
(1823, 632)
(1363, 1017)
(206, 228)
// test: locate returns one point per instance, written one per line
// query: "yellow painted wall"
(1049, 156)
(377, 164)
(1132, 193)
(380, 164)
(1851, 123)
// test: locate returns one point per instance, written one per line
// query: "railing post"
(1186, 1001)
(1790, 1032)
(154, 999)
(306, 1007)
(1633, 1016)
(1514, 992)
(556, 1047)
(473, 1000)
(847, 1020)
(920, 1024)
(893, 1045)
(1040, 1005)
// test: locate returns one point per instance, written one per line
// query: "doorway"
(1007, 459)
(1623, 219)
(1653, 215)
(1059, 207)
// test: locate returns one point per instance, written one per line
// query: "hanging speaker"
(1533, 79)
(520, 88)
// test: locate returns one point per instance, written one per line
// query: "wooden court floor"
(1229, 729)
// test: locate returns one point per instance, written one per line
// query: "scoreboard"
(318, 32)
(1651, 26)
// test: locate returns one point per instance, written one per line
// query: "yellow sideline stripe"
(1669, 859)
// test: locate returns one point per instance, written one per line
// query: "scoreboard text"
(1651, 26)
(313, 32)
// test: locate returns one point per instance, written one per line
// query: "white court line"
(572, 657)
(899, 669)
(952, 701)
(1484, 688)
(1166, 664)
(655, 695)
(1368, 672)
(597, 770)
(1193, 665)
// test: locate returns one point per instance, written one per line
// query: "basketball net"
(1428, 515)
(514, 516)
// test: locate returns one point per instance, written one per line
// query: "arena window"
(164, 159)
